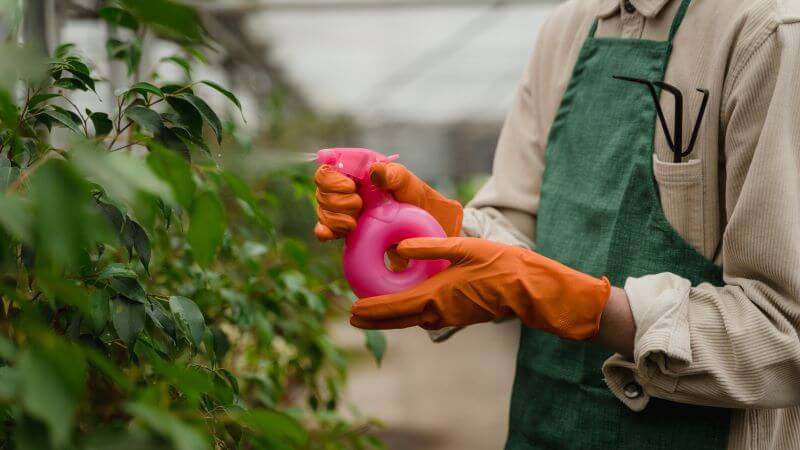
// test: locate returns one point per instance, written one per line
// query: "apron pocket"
(680, 187)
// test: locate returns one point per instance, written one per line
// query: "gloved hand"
(339, 205)
(488, 281)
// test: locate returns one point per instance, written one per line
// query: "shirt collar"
(647, 8)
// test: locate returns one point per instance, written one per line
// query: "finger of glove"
(324, 233)
(389, 324)
(396, 262)
(338, 223)
(391, 306)
(329, 179)
(350, 204)
(428, 319)
(451, 249)
(405, 186)
(408, 188)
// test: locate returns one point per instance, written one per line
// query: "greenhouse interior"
(207, 316)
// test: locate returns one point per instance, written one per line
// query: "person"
(659, 292)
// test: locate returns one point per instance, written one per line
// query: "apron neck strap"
(676, 24)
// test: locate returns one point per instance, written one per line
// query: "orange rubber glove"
(489, 281)
(339, 205)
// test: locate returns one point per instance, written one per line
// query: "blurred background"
(430, 80)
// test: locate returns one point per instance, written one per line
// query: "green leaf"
(128, 287)
(71, 84)
(123, 176)
(130, 52)
(75, 65)
(109, 369)
(116, 48)
(226, 93)
(80, 70)
(75, 117)
(206, 112)
(102, 124)
(176, 88)
(173, 169)
(231, 378)
(170, 139)
(28, 256)
(207, 227)
(63, 50)
(275, 426)
(116, 270)
(189, 319)
(9, 380)
(189, 117)
(193, 140)
(67, 220)
(128, 319)
(63, 119)
(8, 175)
(64, 291)
(149, 120)
(181, 435)
(36, 100)
(8, 110)
(99, 306)
(113, 215)
(52, 383)
(119, 17)
(374, 442)
(181, 62)
(194, 382)
(376, 344)
(7, 349)
(126, 237)
(141, 242)
(161, 317)
(30, 434)
(168, 18)
(145, 88)
(196, 54)
(217, 344)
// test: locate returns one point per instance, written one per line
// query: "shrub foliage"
(148, 300)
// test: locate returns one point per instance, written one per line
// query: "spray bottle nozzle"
(354, 162)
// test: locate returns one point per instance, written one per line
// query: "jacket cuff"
(490, 224)
(659, 304)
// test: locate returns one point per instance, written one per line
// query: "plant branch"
(78, 111)
(14, 187)
(119, 133)
(128, 145)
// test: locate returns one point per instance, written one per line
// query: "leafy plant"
(148, 298)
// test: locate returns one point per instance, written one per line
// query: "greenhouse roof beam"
(317, 5)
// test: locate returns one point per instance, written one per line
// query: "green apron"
(600, 213)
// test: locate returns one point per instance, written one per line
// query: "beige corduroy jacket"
(737, 201)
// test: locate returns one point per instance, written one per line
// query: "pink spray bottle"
(383, 222)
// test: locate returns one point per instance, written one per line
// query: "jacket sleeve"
(735, 346)
(504, 210)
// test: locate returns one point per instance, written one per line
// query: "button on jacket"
(735, 199)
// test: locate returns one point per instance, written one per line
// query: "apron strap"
(676, 24)
(593, 30)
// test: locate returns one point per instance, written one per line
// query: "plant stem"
(78, 111)
(128, 145)
(119, 133)
(14, 187)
